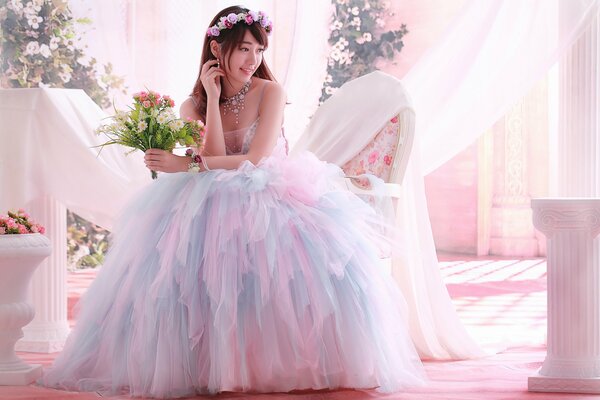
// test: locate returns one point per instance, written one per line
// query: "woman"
(245, 270)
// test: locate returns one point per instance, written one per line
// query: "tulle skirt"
(261, 279)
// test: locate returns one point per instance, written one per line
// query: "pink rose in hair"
(227, 24)
(253, 14)
(249, 19)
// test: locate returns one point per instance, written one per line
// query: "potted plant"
(22, 248)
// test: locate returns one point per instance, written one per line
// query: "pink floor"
(502, 303)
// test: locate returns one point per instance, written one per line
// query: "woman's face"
(245, 59)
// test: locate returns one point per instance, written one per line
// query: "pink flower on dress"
(374, 156)
(394, 120)
(387, 159)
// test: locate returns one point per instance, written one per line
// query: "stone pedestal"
(572, 362)
(49, 329)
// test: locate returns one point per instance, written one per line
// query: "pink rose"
(2, 230)
(34, 228)
(249, 19)
(227, 24)
(22, 229)
(387, 159)
(41, 229)
(374, 156)
(147, 104)
(394, 120)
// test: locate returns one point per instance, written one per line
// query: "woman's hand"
(210, 77)
(164, 161)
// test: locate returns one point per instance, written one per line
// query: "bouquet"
(19, 223)
(151, 124)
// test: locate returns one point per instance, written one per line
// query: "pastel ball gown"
(260, 279)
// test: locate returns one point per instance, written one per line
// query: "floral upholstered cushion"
(377, 157)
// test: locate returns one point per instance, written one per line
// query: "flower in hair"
(250, 17)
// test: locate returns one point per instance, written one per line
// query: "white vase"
(20, 255)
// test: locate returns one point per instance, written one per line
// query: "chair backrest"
(386, 155)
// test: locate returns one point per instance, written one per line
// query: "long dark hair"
(229, 39)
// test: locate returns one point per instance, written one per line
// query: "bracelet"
(203, 160)
(194, 166)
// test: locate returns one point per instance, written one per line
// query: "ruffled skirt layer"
(262, 279)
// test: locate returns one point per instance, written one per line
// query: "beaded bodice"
(238, 141)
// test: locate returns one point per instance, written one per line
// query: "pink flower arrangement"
(152, 123)
(19, 222)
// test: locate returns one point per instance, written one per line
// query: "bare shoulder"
(274, 92)
(188, 109)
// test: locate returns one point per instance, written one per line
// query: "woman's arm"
(265, 139)
(267, 131)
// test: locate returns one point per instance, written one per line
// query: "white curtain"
(489, 57)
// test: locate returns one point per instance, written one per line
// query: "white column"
(579, 116)
(572, 361)
(49, 329)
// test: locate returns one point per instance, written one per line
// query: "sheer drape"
(491, 54)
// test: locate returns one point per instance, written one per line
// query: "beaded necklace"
(236, 102)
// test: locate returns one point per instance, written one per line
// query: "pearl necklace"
(236, 102)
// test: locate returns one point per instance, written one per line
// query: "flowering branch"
(40, 47)
(358, 38)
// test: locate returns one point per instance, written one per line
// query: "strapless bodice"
(238, 141)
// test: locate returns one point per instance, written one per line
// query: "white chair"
(367, 128)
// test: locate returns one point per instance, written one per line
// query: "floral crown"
(250, 17)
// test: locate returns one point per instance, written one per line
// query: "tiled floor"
(501, 302)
